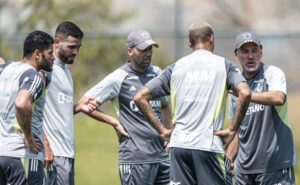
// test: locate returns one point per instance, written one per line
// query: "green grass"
(97, 146)
(96, 153)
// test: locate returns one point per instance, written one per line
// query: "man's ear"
(129, 51)
(235, 54)
(189, 43)
(56, 42)
(36, 53)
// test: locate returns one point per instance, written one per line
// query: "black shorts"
(284, 176)
(196, 167)
(145, 174)
(17, 171)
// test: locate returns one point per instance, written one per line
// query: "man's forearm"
(232, 148)
(244, 96)
(141, 100)
(271, 98)
(101, 116)
(24, 116)
(166, 116)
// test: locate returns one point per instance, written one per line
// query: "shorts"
(146, 174)
(21, 171)
(196, 167)
(61, 172)
(284, 176)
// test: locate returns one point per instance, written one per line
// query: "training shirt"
(15, 76)
(58, 111)
(265, 138)
(198, 85)
(120, 86)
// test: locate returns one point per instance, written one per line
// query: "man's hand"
(166, 134)
(226, 135)
(166, 145)
(49, 156)
(86, 105)
(33, 143)
(120, 130)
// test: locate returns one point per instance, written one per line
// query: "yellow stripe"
(282, 112)
(221, 104)
(116, 106)
(25, 163)
(221, 162)
(173, 103)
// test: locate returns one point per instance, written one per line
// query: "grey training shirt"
(58, 111)
(144, 145)
(16, 76)
(265, 138)
(198, 85)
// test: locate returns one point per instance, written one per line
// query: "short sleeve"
(109, 87)
(160, 85)
(234, 76)
(32, 81)
(2, 66)
(276, 79)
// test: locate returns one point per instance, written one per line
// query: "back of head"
(200, 31)
(36, 40)
(66, 29)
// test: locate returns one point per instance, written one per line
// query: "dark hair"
(200, 32)
(36, 40)
(66, 29)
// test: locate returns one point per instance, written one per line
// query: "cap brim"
(145, 44)
(248, 41)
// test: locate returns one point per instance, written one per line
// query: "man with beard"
(59, 107)
(264, 145)
(142, 158)
(21, 96)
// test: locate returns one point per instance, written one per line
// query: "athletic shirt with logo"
(16, 76)
(265, 138)
(58, 111)
(144, 145)
(197, 85)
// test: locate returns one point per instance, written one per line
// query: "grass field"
(97, 146)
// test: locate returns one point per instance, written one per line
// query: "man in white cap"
(264, 145)
(142, 157)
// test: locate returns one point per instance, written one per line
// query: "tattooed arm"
(23, 111)
(244, 95)
(141, 100)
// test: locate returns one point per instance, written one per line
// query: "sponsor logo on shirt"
(132, 78)
(258, 87)
(151, 75)
(134, 108)
(63, 98)
(199, 76)
(255, 108)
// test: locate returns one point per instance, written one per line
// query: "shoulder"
(271, 69)
(48, 76)
(155, 69)
(3, 66)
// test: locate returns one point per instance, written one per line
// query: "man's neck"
(30, 62)
(136, 68)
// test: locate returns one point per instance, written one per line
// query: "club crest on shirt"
(259, 85)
